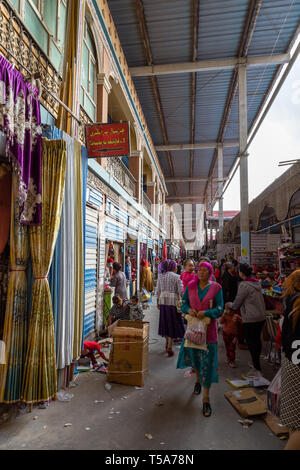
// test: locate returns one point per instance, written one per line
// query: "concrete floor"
(179, 424)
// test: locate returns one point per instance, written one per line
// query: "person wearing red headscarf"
(202, 298)
(146, 276)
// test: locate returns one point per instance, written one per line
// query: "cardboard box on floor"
(274, 424)
(128, 360)
(246, 402)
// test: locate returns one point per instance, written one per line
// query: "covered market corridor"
(121, 423)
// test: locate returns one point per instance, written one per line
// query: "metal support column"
(211, 214)
(141, 167)
(220, 191)
(243, 134)
(138, 261)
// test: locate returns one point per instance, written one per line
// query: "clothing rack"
(43, 86)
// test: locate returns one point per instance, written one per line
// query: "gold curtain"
(78, 247)
(15, 322)
(39, 382)
(69, 82)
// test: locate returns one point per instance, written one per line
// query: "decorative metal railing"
(19, 47)
(84, 119)
(121, 174)
(147, 203)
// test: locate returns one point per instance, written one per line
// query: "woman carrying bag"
(203, 299)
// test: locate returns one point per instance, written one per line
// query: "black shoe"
(197, 388)
(206, 409)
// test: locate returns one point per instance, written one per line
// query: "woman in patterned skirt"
(203, 298)
(290, 367)
(169, 292)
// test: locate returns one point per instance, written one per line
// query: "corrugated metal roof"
(169, 29)
(211, 94)
(220, 31)
(220, 27)
(275, 27)
(175, 93)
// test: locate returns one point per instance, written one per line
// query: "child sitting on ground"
(135, 308)
(230, 322)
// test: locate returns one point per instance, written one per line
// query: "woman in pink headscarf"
(203, 298)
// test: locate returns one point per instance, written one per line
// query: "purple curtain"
(21, 121)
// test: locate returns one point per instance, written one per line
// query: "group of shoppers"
(201, 292)
(241, 294)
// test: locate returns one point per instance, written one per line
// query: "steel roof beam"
(190, 180)
(207, 65)
(207, 145)
(185, 198)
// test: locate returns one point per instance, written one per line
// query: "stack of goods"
(270, 286)
(289, 258)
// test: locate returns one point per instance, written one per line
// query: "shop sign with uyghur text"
(108, 140)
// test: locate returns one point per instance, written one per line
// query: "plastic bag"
(273, 395)
(62, 395)
(145, 296)
(196, 331)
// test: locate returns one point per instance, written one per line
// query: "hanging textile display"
(5, 205)
(4, 262)
(20, 120)
(5, 202)
(65, 320)
(79, 266)
(39, 383)
(51, 132)
(15, 323)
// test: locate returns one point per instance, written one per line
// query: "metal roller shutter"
(91, 266)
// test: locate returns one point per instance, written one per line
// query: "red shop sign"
(108, 140)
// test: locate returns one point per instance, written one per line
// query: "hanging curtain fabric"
(21, 121)
(65, 320)
(78, 240)
(70, 82)
(5, 202)
(15, 323)
(39, 383)
(4, 262)
(51, 132)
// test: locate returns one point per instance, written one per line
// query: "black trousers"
(252, 334)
